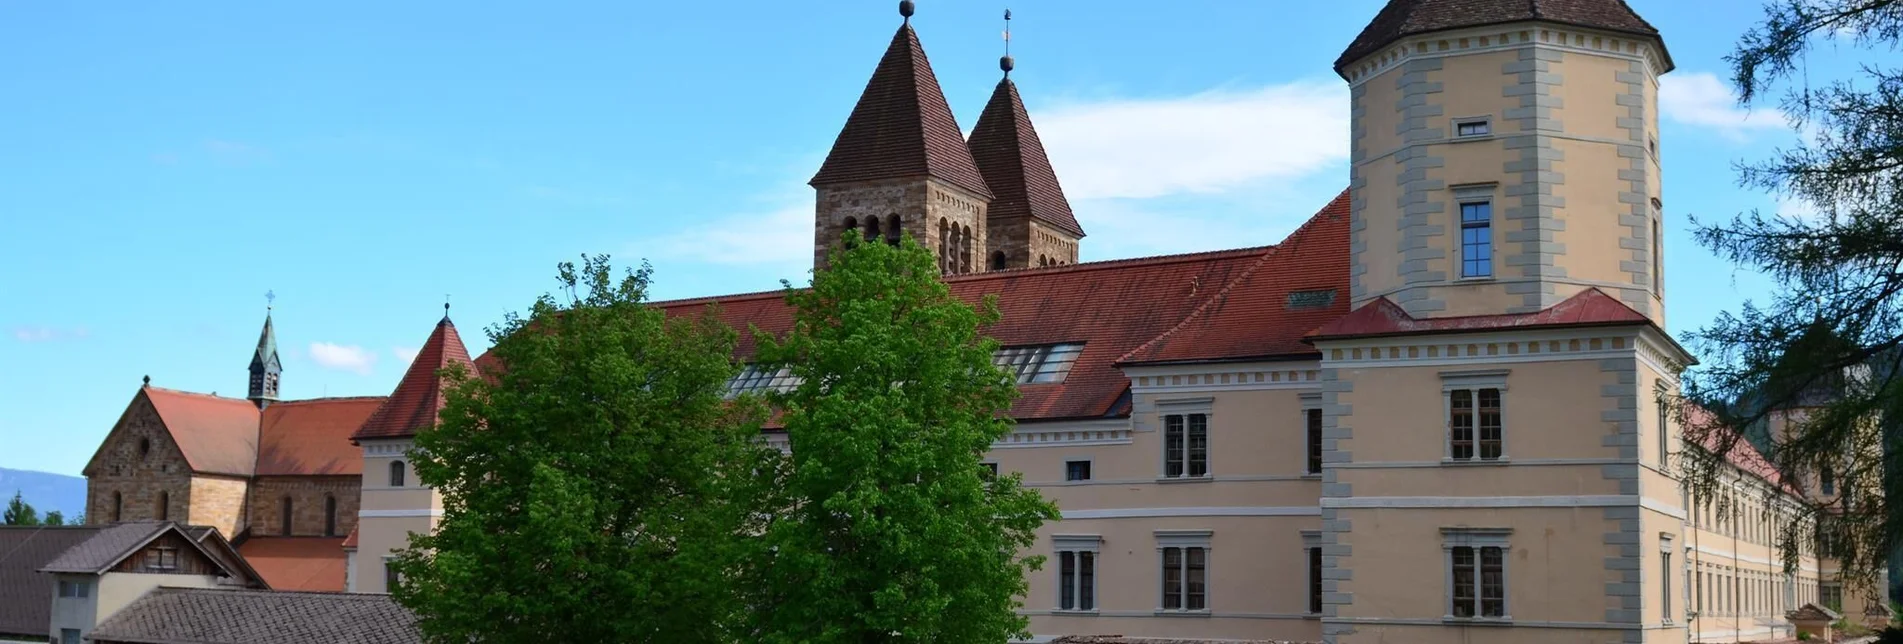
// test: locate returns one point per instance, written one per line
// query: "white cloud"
(778, 234)
(343, 357)
(1203, 143)
(1700, 99)
(404, 354)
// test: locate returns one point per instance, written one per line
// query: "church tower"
(1505, 155)
(1030, 221)
(265, 367)
(900, 166)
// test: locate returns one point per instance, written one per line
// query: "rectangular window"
(1474, 422)
(1478, 127)
(1665, 567)
(1476, 239)
(75, 589)
(1665, 431)
(1077, 580)
(1038, 363)
(1185, 445)
(1076, 470)
(162, 558)
(760, 379)
(1315, 580)
(1476, 577)
(990, 471)
(1184, 575)
(390, 577)
(1314, 423)
(69, 636)
(1658, 259)
(1827, 479)
(1831, 595)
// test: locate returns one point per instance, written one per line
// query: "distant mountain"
(45, 491)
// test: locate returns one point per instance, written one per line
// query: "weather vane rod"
(1006, 63)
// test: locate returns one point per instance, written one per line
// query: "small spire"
(148, 380)
(905, 9)
(445, 306)
(270, 298)
(1006, 63)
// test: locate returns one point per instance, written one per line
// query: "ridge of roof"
(1382, 317)
(1011, 157)
(1403, 18)
(901, 126)
(326, 399)
(413, 405)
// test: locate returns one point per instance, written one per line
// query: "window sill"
(1186, 479)
(1475, 462)
(1470, 138)
(1311, 615)
(1476, 621)
(1312, 475)
(1476, 278)
(1166, 612)
(1071, 612)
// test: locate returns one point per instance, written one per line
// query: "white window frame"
(1311, 543)
(1478, 538)
(1185, 408)
(1089, 463)
(1075, 543)
(1312, 403)
(75, 589)
(1667, 573)
(1475, 194)
(1474, 381)
(1186, 539)
(1483, 121)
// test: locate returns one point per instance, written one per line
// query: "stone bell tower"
(900, 166)
(1505, 155)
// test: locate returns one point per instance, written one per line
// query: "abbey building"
(1430, 414)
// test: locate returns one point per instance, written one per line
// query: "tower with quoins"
(1434, 412)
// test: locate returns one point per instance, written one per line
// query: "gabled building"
(58, 582)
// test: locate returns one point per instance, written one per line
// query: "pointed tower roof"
(419, 396)
(267, 352)
(902, 126)
(1012, 160)
(1403, 18)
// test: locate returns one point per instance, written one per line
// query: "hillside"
(45, 491)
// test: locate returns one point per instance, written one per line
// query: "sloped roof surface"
(26, 596)
(901, 126)
(297, 563)
(419, 396)
(217, 616)
(312, 437)
(1403, 18)
(217, 435)
(1262, 313)
(1012, 160)
(108, 547)
(1383, 317)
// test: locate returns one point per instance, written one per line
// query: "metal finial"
(445, 306)
(270, 297)
(906, 8)
(148, 380)
(1005, 62)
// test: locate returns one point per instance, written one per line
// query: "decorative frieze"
(1503, 37)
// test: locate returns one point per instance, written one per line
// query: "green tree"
(53, 517)
(894, 532)
(1829, 341)
(19, 512)
(598, 486)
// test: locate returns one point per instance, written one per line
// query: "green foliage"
(53, 517)
(893, 533)
(1805, 637)
(19, 512)
(598, 487)
(1830, 340)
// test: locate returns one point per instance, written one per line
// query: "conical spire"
(902, 127)
(265, 367)
(419, 396)
(1012, 160)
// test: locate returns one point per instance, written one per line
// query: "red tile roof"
(1011, 157)
(351, 541)
(1382, 317)
(312, 437)
(1255, 316)
(297, 563)
(902, 127)
(1712, 436)
(419, 396)
(1403, 18)
(217, 435)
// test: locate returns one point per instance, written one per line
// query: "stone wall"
(927, 210)
(219, 502)
(307, 495)
(140, 474)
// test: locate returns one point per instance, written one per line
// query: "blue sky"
(167, 164)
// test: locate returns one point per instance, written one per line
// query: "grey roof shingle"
(217, 616)
(26, 596)
(1402, 18)
(106, 548)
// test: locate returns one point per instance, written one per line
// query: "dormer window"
(1472, 127)
(1038, 363)
(760, 379)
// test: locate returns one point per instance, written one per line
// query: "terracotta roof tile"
(25, 594)
(312, 437)
(1403, 18)
(351, 541)
(419, 396)
(1383, 317)
(1264, 312)
(901, 126)
(297, 563)
(1742, 454)
(217, 435)
(217, 616)
(1011, 157)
